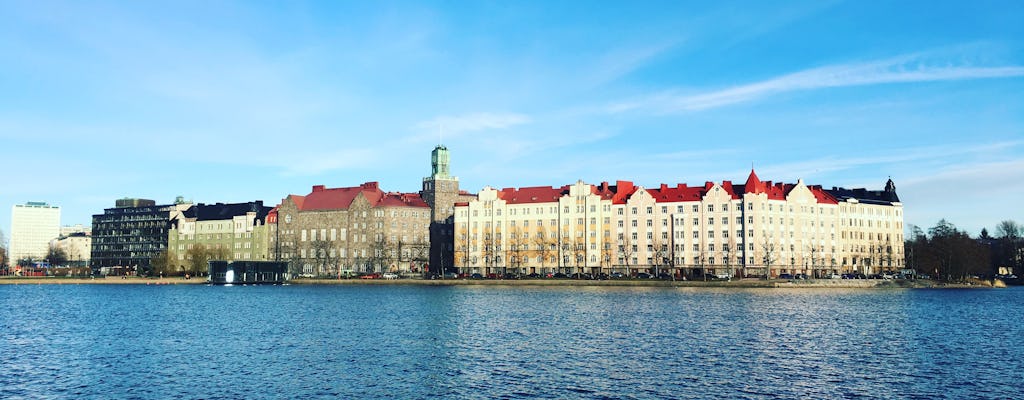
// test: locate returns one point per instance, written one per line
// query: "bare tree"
(199, 256)
(326, 261)
(378, 254)
(489, 253)
(161, 263)
(517, 249)
(4, 258)
(461, 250)
(579, 252)
(659, 258)
(626, 250)
(545, 247)
(56, 255)
(768, 256)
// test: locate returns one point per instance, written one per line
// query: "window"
(711, 208)
(711, 220)
(695, 208)
(650, 210)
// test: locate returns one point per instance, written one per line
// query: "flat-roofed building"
(33, 225)
(126, 238)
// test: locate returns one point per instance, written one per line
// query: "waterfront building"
(127, 237)
(68, 230)
(76, 245)
(33, 226)
(228, 232)
(359, 228)
(754, 229)
(441, 192)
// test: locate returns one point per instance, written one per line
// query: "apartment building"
(754, 229)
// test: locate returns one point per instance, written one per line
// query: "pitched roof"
(322, 198)
(536, 194)
(221, 211)
(623, 190)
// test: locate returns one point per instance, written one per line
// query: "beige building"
(230, 232)
(723, 229)
(359, 228)
(76, 245)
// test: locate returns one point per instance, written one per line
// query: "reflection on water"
(506, 342)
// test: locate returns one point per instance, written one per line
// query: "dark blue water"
(410, 342)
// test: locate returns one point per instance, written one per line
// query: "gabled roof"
(623, 190)
(536, 194)
(324, 199)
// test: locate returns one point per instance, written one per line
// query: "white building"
(33, 226)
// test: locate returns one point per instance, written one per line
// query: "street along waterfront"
(407, 341)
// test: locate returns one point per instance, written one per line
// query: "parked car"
(723, 276)
(785, 276)
(617, 275)
(390, 275)
(476, 276)
(374, 275)
(643, 275)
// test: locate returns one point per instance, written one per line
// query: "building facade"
(226, 232)
(360, 228)
(441, 191)
(33, 226)
(755, 229)
(127, 237)
(76, 245)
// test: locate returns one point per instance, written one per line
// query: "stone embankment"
(112, 280)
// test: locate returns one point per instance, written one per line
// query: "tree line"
(952, 254)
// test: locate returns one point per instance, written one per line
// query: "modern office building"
(127, 237)
(752, 229)
(33, 226)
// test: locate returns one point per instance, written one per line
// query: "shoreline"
(741, 283)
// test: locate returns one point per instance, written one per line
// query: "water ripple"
(148, 342)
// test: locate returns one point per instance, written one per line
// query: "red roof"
(322, 198)
(623, 190)
(537, 194)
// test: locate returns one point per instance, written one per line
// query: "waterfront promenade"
(740, 283)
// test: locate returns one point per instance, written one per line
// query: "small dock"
(247, 272)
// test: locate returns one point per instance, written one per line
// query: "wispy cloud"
(940, 154)
(453, 126)
(905, 69)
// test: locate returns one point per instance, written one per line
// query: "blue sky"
(230, 102)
